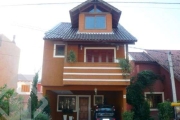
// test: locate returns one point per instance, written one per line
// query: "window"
(59, 50)
(25, 88)
(66, 102)
(100, 55)
(154, 99)
(95, 22)
(98, 99)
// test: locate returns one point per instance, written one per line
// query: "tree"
(10, 104)
(45, 109)
(33, 99)
(135, 96)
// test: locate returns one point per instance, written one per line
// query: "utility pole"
(172, 81)
(172, 77)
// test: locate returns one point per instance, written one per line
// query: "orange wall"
(82, 23)
(9, 62)
(52, 71)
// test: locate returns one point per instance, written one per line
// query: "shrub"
(165, 111)
(128, 115)
(43, 116)
(71, 56)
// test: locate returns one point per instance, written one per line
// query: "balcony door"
(100, 55)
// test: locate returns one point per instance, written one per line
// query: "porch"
(83, 100)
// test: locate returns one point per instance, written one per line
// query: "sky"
(155, 26)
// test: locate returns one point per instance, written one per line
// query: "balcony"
(87, 73)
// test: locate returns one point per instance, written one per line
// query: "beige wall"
(9, 62)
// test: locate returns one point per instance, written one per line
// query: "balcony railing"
(88, 73)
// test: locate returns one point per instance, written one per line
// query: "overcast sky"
(155, 26)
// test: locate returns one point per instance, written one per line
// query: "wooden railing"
(93, 74)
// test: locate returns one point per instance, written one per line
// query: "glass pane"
(100, 22)
(98, 11)
(59, 49)
(67, 102)
(89, 22)
(92, 11)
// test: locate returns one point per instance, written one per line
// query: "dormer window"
(95, 22)
(95, 19)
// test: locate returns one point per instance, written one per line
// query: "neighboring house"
(9, 62)
(24, 86)
(98, 40)
(157, 61)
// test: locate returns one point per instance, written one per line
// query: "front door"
(83, 108)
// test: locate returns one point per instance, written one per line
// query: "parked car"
(104, 112)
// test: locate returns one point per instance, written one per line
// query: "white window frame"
(58, 56)
(114, 48)
(145, 94)
(65, 96)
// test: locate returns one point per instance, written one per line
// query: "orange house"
(98, 41)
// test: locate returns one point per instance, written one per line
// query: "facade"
(9, 62)
(24, 86)
(157, 61)
(98, 41)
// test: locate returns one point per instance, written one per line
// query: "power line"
(61, 3)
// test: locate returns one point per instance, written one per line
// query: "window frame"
(94, 15)
(54, 52)
(147, 93)
(58, 100)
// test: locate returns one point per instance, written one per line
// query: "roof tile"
(65, 32)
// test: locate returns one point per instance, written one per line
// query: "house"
(24, 86)
(97, 40)
(157, 61)
(9, 62)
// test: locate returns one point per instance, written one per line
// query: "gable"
(88, 5)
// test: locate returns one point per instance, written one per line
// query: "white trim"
(115, 68)
(66, 95)
(54, 51)
(95, 73)
(111, 80)
(145, 93)
(89, 106)
(85, 48)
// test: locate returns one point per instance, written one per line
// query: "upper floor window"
(95, 10)
(25, 88)
(59, 50)
(95, 21)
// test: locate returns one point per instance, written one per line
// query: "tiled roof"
(65, 32)
(22, 77)
(161, 57)
(140, 57)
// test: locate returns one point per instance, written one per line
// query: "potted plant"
(67, 112)
(71, 56)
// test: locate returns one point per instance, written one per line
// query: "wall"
(9, 62)
(52, 71)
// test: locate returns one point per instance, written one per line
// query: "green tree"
(45, 109)
(33, 99)
(135, 96)
(10, 104)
